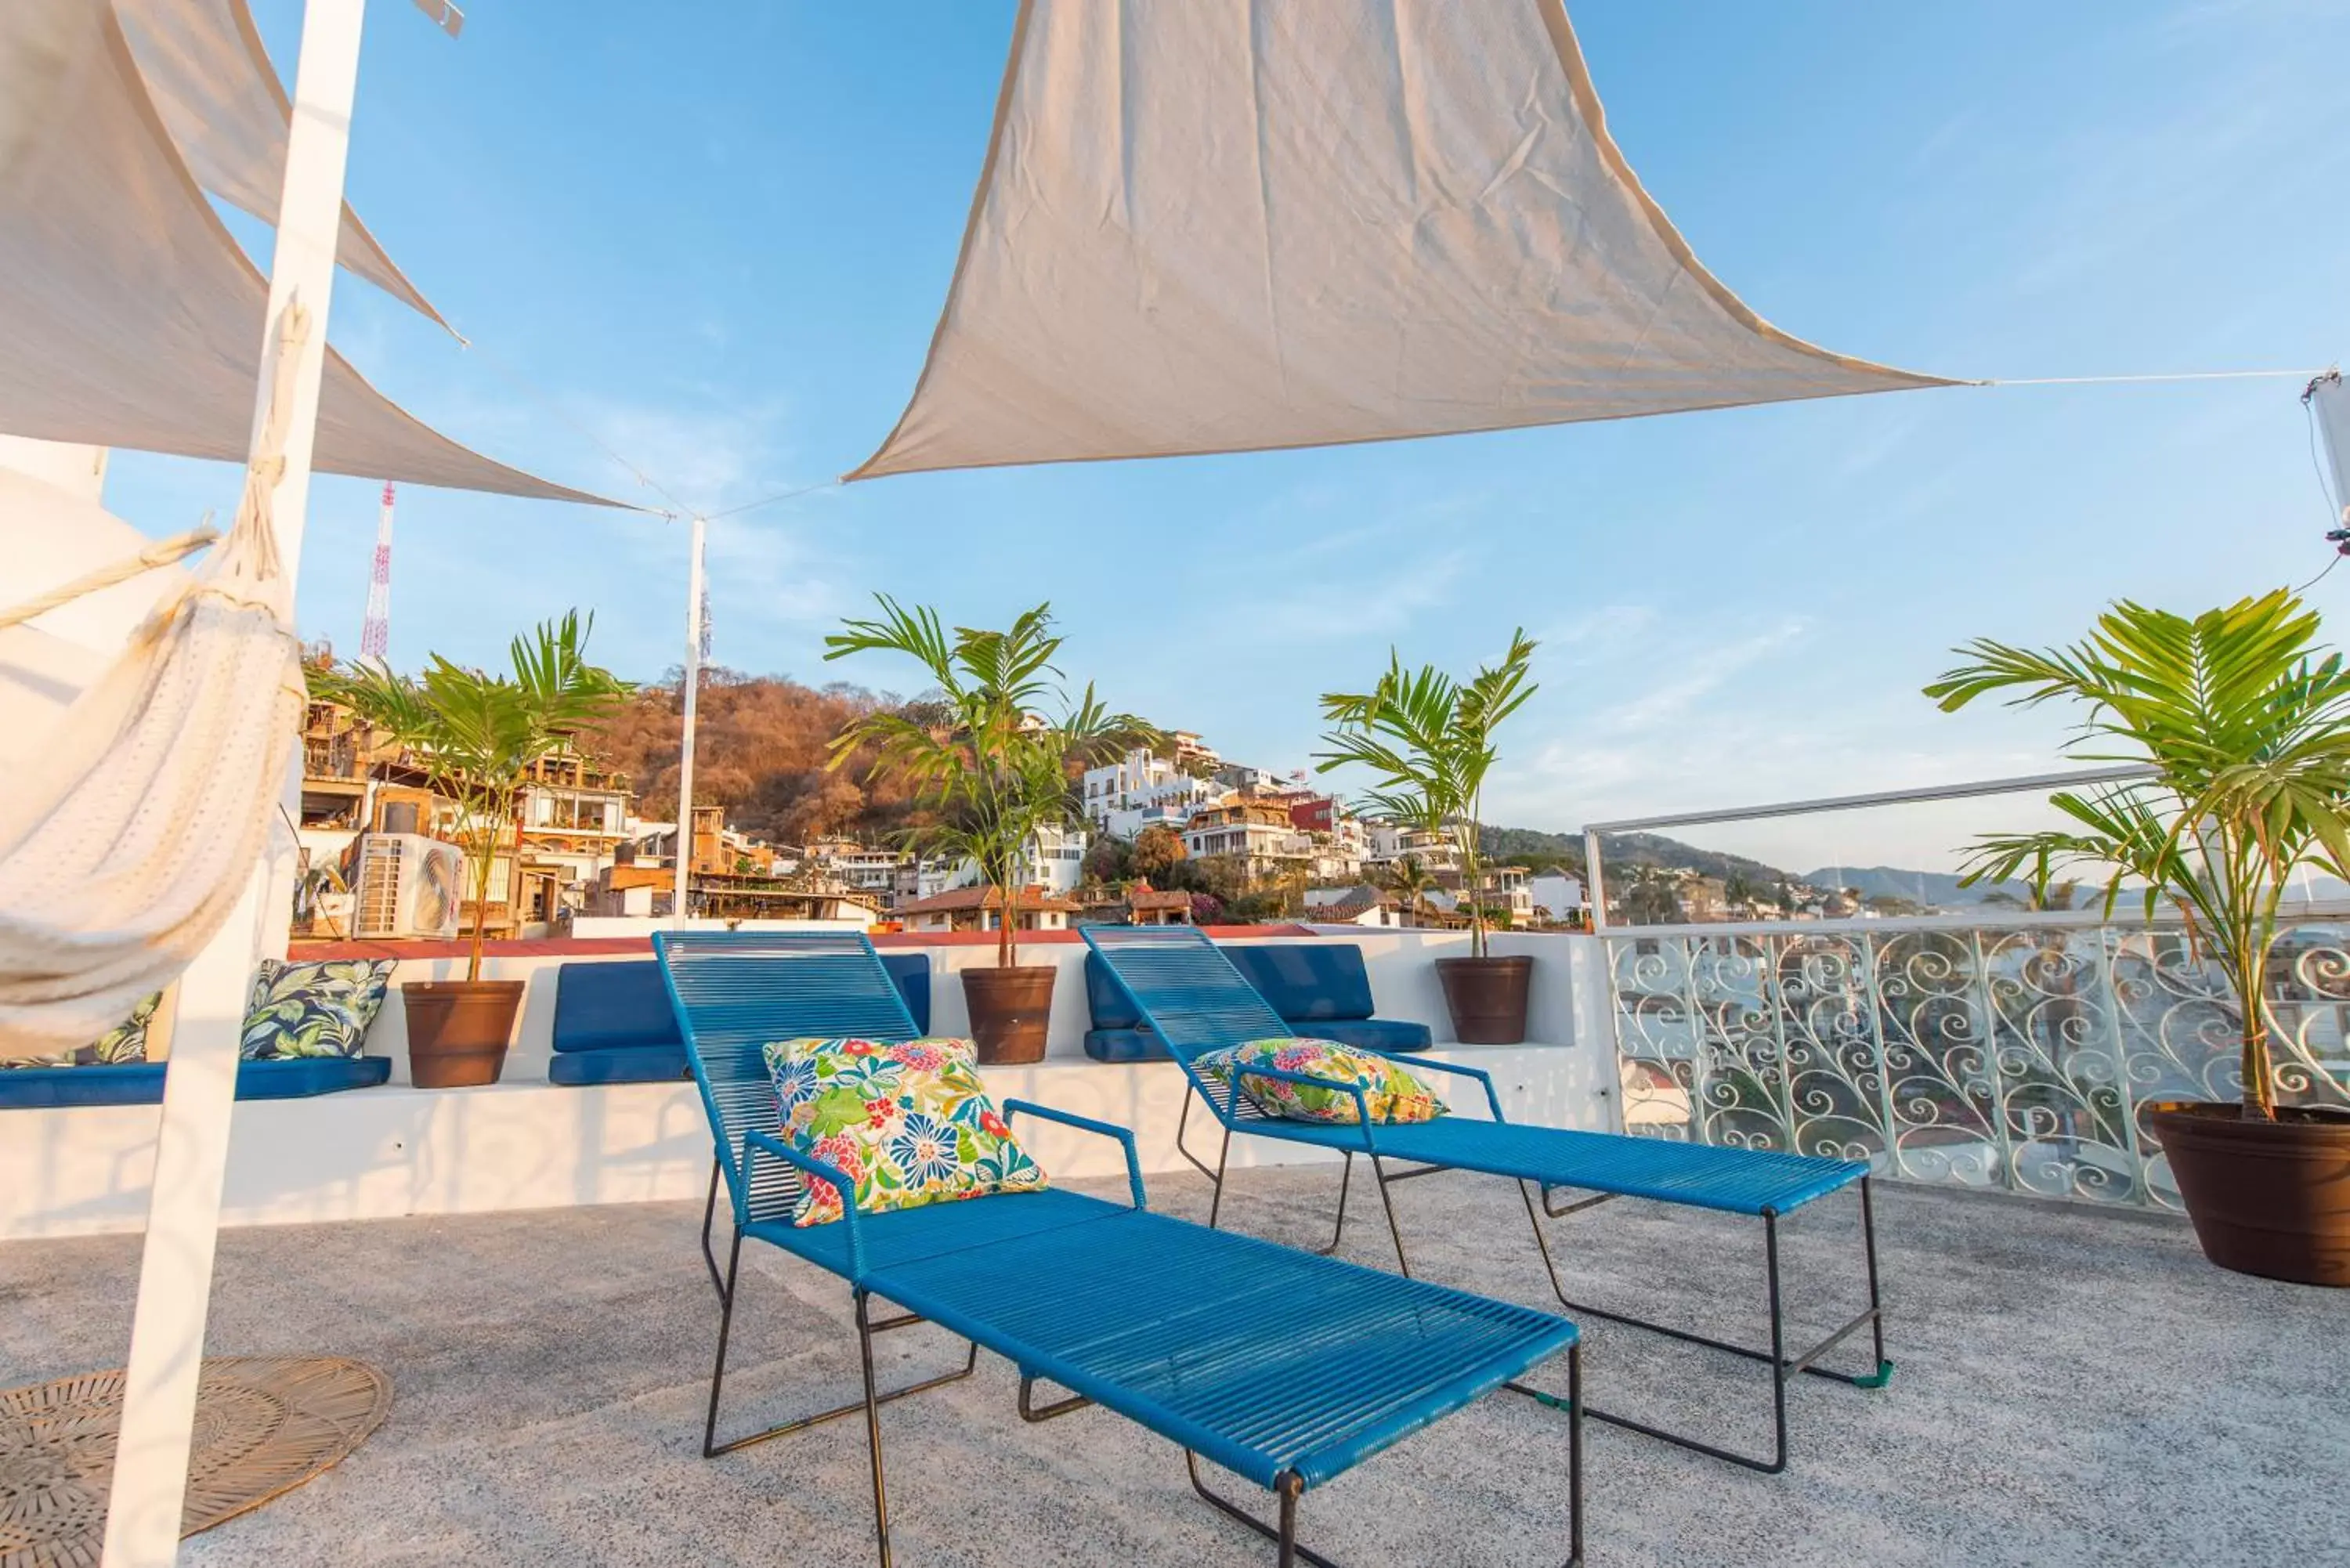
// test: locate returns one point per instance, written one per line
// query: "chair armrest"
(764, 1142)
(1479, 1074)
(1087, 1124)
(1282, 1075)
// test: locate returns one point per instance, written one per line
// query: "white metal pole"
(1594, 891)
(167, 1333)
(680, 908)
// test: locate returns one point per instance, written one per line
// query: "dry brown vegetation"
(762, 743)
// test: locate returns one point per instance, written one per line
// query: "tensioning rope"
(2151, 377)
(162, 553)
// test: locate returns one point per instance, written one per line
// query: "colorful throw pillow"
(910, 1124)
(1391, 1094)
(126, 1042)
(320, 1009)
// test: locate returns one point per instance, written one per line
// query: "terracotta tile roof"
(955, 900)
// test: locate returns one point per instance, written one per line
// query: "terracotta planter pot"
(2271, 1199)
(1010, 1011)
(1487, 998)
(458, 1030)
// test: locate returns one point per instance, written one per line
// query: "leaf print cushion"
(909, 1123)
(317, 1009)
(1391, 1094)
(126, 1042)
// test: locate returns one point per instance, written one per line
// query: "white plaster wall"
(391, 1152)
(524, 1143)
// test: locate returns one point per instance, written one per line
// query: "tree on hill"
(1652, 897)
(760, 750)
(1156, 850)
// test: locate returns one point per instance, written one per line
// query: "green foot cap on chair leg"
(1555, 1401)
(1876, 1379)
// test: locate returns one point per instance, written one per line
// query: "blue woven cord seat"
(1734, 1181)
(909, 1235)
(1262, 1358)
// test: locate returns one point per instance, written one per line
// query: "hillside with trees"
(761, 745)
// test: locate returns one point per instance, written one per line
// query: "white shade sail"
(128, 315)
(221, 100)
(1211, 226)
(2329, 401)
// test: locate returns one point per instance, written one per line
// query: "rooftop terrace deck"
(2076, 1387)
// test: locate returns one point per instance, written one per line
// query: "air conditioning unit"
(408, 886)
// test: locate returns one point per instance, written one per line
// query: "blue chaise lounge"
(613, 1023)
(1282, 1367)
(1321, 987)
(1193, 995)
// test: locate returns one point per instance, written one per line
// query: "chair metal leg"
(1783, 1366)
(1403, 1260)
(711, 1448)
(873, 1425)
(1283, 1536)
(1338, 1230)
(1216, 1203)
(709, 1218)
(1288, 1488)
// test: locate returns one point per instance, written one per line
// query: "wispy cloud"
(1698, 674)
(1339, 604)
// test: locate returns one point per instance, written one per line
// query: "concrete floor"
(2075, 1387)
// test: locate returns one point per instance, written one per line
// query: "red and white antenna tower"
(375, 635)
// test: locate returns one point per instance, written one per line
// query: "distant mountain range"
(1533, 847)
(1933, 889)
(1530, 846)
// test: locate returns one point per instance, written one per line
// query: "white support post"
(1594, 892)
(680, 908)
(167, 1333)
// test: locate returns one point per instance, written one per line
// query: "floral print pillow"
(908, 1123)
(320, 1009)
(126, 1042)
(1391, 1094)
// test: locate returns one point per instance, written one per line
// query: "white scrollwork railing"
(2018, 1056)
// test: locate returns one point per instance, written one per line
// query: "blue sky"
(718, 234)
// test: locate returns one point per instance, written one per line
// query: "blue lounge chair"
(1282, 1367)
(1190, 993)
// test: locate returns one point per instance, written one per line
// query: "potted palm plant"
(2245, 722)
(1428, 739)
(992, 773)
(477, 737)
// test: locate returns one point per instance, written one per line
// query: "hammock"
(127, 838)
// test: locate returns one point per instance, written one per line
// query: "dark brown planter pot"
(458, 1030)
(1487, 997)
(1010, 1011)
(2271, 1199)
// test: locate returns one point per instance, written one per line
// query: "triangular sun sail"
(1208, 228)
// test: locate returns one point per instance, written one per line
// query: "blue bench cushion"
(1104, 1000)
(619, 1064)
(142, 1083)
(613, 1006)
(1369, 1034)
(1126, 1045)
(1307, 983)
(1323, 987)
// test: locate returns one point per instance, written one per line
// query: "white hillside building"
(1055, 861)
(1390, 842)
(1128, 795)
